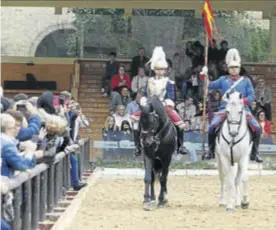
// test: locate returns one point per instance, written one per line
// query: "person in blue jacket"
(11, 160)
(245, 87)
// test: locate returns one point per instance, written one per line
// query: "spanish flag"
(209, 20)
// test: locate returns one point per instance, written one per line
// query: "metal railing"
(39, 191)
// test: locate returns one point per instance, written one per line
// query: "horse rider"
(228, 84)
(162, 87)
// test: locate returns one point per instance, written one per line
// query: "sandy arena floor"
(117, 204)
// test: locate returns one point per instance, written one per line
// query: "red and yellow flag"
(209, 20)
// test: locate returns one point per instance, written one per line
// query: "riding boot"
(211, 145)
(180, 141)
(255, 149)
(137, 143)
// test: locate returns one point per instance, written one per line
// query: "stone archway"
(50, 42)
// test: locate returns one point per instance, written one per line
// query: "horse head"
(149, 122)
(234, 112)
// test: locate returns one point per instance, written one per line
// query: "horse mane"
(159, 108)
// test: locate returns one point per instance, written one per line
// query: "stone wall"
(23, 28)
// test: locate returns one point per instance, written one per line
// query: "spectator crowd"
(125, 90)
(33, 131)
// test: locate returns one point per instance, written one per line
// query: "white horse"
(233, 146)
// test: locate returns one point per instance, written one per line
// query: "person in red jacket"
(120, 79)
(265, 126)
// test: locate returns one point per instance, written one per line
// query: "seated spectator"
(120, 79)
(139, 82)
(190, 86)
(11, 160)
(264, 97)
(111, 69)
(254, 108)
(121, 116)
(121, 98)
(266, 128)
(213, 104)
(134, 106)
(126, 131)
(187, 109)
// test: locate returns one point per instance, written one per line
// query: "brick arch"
(50, 29)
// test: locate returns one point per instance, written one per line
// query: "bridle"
(154, 131)
(233, 142)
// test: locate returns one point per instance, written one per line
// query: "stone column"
(272, 34)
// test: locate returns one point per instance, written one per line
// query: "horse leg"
(238, 187)
(222, 202)
(163, 187)
(230, 178)
(244, 181)
(152, 193)
(147, 180)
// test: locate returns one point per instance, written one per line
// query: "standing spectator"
(170, 70)
(120, 79)
(139, 82)
(222, 68)
(121, 116)
(180, 63)
(11, 160)
(223, 50)
(266, 128)
(264, 97)
(137, 61)
(121, 98)
(213, 52)
(111, 69)
(254, 108)
(198, 58)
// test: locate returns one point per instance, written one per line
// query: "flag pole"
(205, 96)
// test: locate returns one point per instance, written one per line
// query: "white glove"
(42, 133)
(169, 102)
(143, 101)
(204, 71)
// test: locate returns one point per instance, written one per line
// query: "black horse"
(158, 141)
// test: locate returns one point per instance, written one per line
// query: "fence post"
(27, 193)
(50, 198)
(35, 201)
(17, 202)
(43, 195)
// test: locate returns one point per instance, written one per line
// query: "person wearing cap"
(162, 87)
(224, 83)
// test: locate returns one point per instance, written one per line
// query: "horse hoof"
(222, 205)
(152, 202)
(229, 210)
(161, 205)
(147, 206)
(245, 205)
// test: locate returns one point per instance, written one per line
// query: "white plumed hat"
(158, 59)
(233, 58)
